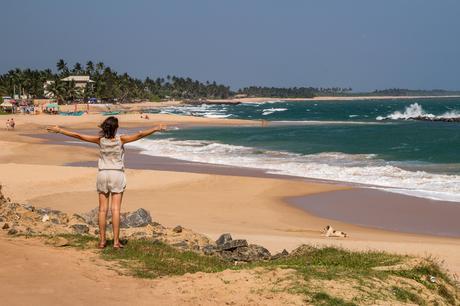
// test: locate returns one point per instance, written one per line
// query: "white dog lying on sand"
(330, 232)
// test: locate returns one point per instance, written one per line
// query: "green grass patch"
(80, 241)
(154, 259)
(404, 295)
(324, 299)
(333, 263)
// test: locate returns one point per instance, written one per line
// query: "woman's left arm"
(87, 138)
(142, 134)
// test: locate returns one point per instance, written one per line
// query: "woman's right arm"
(87, 138)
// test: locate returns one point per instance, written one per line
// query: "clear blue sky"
(364, 44)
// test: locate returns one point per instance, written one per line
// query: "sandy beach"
(34, 169)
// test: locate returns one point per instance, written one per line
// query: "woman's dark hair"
(109, 127)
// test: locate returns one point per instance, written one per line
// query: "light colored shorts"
(111, 181)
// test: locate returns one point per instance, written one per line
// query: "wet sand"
(385, 210)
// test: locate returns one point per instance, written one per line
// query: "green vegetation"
(363, 277)
(155, 259)
(294, 92)
(411, 92)
(108, 85)
(404, 295)
(325, 299)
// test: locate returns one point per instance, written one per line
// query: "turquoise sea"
(371, 142)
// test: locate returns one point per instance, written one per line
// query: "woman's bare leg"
(116, 206)
(103, 208)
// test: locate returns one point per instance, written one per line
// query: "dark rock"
(79, 218)
(224, 238)
(280, 254)
(12, 231)
(28, 207)
(249, 253)
(177, 229)
(91, 217)
(233, 244)
(139, 218)
(209, 249)
(302, 250)
(80, 228)
(55, 221)
(5, 226)
(43, 211)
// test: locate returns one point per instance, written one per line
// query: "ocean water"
(371, 142)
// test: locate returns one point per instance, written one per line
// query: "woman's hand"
(53, 129)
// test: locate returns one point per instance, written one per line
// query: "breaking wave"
(352, 168)
(415, 111)
(269, 111)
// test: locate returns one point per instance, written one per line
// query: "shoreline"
(356, 204)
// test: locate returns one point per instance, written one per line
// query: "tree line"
(413, 92)
(107, 85)
(292, 92)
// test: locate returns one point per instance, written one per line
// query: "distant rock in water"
(424, 118)
(416, 112)
(442, 119)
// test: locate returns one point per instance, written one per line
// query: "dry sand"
(34, 274)
(32, 171)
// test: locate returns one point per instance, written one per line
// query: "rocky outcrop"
(237, 250)
(138, 218)
(16, 219)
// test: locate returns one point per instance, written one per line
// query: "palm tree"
(89, 68)
(100, 67)
(62, 67)
(77, 69)
(56, 89)
(71, 92)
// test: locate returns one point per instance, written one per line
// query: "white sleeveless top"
(112, 154)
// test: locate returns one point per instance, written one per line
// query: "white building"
(81, 81)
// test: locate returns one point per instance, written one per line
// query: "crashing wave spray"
(416, 112)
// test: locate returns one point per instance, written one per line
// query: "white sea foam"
(415, 110)
(204, 110)
(269, 111)
(352, 168)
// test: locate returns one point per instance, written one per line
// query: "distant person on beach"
(7, 124)
(12, 123)
(111, 180)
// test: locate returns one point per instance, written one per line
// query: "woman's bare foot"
(102, 244)
(118, 245)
